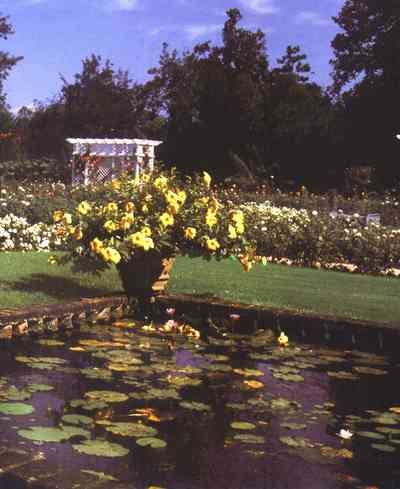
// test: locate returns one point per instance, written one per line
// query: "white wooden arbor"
(116, 156)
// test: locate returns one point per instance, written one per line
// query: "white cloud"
(261, 6)
(199, 30)
(313, 18)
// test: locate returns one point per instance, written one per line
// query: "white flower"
(345, 434)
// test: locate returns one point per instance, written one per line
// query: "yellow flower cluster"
(237, 217)
(108, 254)
(140, 239)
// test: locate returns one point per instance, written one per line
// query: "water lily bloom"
(234, 317)
(170, 311)
(345, 434)
(84, 208)
(283, 340)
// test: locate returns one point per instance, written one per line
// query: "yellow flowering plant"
(158, 213)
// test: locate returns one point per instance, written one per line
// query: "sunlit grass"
(27, 279)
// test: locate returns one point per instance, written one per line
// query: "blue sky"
(55, 35)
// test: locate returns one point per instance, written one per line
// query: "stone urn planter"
(145, 275)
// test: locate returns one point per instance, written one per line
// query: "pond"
(124, 406)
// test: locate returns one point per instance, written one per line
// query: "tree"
(7, 62)
(103, 102)
(366, 54)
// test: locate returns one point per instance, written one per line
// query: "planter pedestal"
(145, 275)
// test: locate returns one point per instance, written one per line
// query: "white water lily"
(345, 434)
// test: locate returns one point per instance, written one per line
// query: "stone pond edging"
(362, 335)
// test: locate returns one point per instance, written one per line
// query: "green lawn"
(26, 279)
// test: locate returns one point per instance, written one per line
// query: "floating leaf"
(383, 447)
(107, 396)
(242, 425)
(236, 405)
(248, 438)
(50, 434)
(370, 434)
(151, 442)
(96, 373)
(195, 406)
(288, 377)
(101, 476)
(101, 448)
(131, 429)
(40, 387)
(253, 384)
(87, 404)
(51, 342)
(331, 452)
(248, 372)
(369, 371)
(296, 442)
(342, 374)
(16, 408)
(77, 419)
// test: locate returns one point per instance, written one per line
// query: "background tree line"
(226, 110)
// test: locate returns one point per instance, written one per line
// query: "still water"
(118, 406)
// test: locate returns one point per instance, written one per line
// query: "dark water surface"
(178, 413)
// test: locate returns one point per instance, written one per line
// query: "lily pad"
(371, 434)
(101, 448)
(131, 429)
(151, 442)
(107, 396)
(288, 377)
(51, 342)
(242, 425)
(40, 387)
(342, 374)
(296, 442)
(78, 419)
(16, 408)
(88, 404)
(195, 406)
(248, 438)
(369, 371)
(248, 372)
(50, 434)
(96, 373)
(382, 447)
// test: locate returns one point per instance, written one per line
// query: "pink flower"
(234, 317)
(170, 311)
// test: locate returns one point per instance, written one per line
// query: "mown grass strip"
(26, 279)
